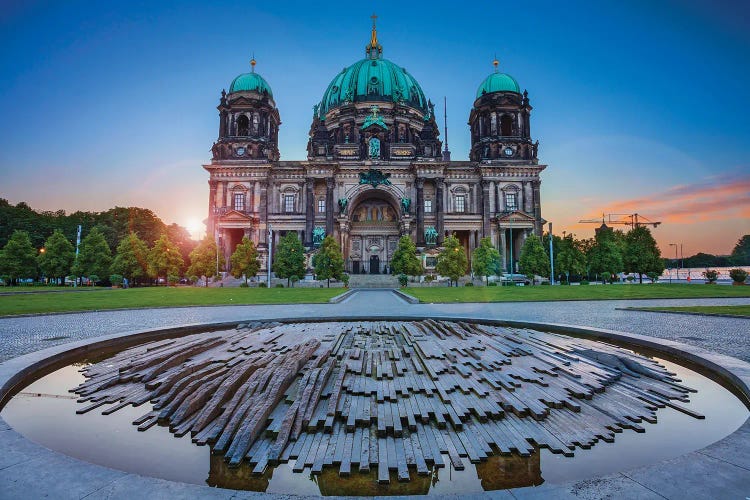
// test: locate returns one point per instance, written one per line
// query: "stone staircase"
(373, 281)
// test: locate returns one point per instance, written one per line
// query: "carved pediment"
(515, 217)
(235, 216)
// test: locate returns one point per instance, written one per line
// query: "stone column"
(420, 211)
(330, 184)
(537, 208)
(256, 197)
(439, 187)
(309, 210)
(263, 228)
(211, 206)
(486, 214)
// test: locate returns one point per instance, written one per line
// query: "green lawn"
(581, 292)
(731, 310)
(159, 297)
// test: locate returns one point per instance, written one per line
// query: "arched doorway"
(374, 232)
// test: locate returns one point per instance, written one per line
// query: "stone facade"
(375, 170)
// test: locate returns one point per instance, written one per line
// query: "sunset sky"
(639, 106)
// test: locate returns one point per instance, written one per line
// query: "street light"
(551, 258)
(270, 253)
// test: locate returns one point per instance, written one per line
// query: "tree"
(569, 257)
(245, 259)
(57, 258)
(452, 261)
(328, 261)
(203, 259)
(289, 257)
(94, 256)
(641, 254)
(741, 252)
(533, 260)
(485, 259)
(164, 259)
(405, 260)
(605, 255)
(131, 260)
(18, 257)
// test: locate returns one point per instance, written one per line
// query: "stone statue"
(430, 235)
(343, 202)
(374, 151)
(318, 234)
(405, 205)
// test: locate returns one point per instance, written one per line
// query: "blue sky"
(106, 104)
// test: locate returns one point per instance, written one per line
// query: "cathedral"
(375, 170)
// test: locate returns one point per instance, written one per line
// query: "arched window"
(506, 125)
(493, 124)
(242, 125)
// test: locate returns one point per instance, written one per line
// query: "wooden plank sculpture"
(398, 396)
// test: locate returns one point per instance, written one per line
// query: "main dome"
(373, 79)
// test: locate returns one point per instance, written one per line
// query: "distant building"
(376, 168)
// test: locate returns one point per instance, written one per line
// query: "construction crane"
(632, 220)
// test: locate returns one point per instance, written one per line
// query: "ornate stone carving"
(343, 203)
(374, 178)
(405, 205)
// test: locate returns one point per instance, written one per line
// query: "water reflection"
(44, 412)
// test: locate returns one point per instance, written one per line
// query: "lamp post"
(270, 253)
(676, 262)
(551, 258)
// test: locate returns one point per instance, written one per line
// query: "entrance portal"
(374, 264)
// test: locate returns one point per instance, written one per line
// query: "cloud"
(715, 198)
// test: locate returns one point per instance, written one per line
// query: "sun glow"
(196, 228)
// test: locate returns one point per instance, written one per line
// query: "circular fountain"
(373, 407)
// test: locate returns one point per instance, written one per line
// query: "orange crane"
(632, 220)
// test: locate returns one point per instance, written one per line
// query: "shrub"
(429, 278)
(544, 283)
(403, 279)
(173, 279)
(262, 284)
(345, 279)
(606, 276)
(193, 278)
(492, 283)
(710, 275)
(738, 275)
(469, 284)
(293, 279)
(279, 285)
(115, 279)
(630, 278)
(244, 285)
(654, 277)
(584, 282)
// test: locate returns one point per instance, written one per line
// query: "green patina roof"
(373, 80)
(498, 82)
(250, 82)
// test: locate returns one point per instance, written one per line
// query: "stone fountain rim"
(15, 373)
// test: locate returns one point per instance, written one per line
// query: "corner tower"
(248, 120)
(499, 120)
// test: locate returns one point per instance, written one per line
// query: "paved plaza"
(727, 336)
(720, 470)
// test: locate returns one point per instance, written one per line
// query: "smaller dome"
(248, 82)
(498, 82)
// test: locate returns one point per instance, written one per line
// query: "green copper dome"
(373, 80)
(498, 82)
(247, 82)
